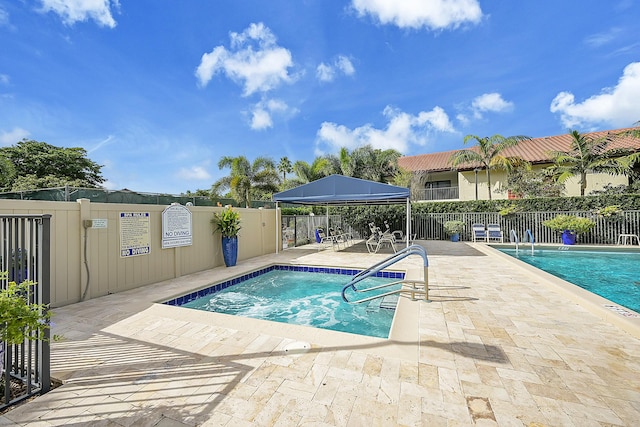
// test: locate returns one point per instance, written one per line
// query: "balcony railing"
(444, 193)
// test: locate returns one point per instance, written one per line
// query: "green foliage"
(453, 227)
(38, 165)
(509, 210)
(248, 181)
(577, 203)
(296, 211)
(19, 320)
(569, 222)
(534, 183)
(227, 222)
(610, 213)
(591, 155)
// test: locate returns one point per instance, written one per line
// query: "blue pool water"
(612, 275)
(299, 297)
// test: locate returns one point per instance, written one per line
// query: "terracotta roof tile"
(535, 150)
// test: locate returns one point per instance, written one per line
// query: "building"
(441, 182)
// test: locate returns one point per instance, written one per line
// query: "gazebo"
(340, 190)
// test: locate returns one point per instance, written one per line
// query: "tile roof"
(535, 150)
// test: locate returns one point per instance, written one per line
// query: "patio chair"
(479, 233)
(400, 237)
(378, 239)
(325, 240)
(494, 233)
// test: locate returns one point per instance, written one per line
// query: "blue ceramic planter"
(568, 238)
(230, 250)
(455, 237)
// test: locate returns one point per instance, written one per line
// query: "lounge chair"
(479, 233)
(325, 240)
(378, 239)
(494, 233)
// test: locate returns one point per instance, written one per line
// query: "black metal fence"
(431, 226)
(25, 255)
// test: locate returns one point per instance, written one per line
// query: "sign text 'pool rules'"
(176, 227)
(135, 235)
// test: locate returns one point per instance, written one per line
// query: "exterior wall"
(594, 182)
(466, 182)
(110, 273)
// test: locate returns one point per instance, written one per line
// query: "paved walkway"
(496, 346)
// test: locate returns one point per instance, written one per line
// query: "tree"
(534, 183)
(366, 163)
(489, 154)
(285, 167)
(306, 172)
(247, 180)
(591, 155)
(43, 163)
(7, 172)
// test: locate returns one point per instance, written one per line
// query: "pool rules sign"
(135, 235)
(176, 227)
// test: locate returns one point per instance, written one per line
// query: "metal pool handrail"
(531, 239)
(398, 256)
(513, 236)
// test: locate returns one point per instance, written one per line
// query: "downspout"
(277, 245)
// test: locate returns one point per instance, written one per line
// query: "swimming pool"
(308, 296)
(613, 275)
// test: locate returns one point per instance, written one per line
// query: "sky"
(158, 91)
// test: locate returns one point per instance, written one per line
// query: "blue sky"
(158, 91)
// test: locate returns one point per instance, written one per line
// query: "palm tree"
(285, 167)
(591, 155)
(247, 179)
(488, 154)
(306, 172)
(366, 162)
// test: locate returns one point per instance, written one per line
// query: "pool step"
(388, 302)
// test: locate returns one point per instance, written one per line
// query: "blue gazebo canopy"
(343, 190)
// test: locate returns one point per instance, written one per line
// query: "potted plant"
(569, 226)
(453, 228)
(227, 222)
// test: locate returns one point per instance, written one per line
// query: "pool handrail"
(531, 239)
(376, 268)
(513, 236)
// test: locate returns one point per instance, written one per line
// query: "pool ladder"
(514, 239)
(412, 287)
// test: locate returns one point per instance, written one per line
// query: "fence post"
(45, 295)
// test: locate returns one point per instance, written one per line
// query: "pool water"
(612, 275)
(303, 298)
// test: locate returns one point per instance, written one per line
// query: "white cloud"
(600, 39)
(327, 72)
(617, 106)
(72, 11)
(433, 14)
(490, 102)
(485, 103)
(254, 60)
(263, 111)
(193, 173)
(13, 136)
(4, 18)
(402, 130)
(4, 79)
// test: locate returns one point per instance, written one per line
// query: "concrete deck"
(498, 345)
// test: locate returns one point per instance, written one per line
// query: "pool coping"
(597, 305)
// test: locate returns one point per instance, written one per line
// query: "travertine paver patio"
(496, 346)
